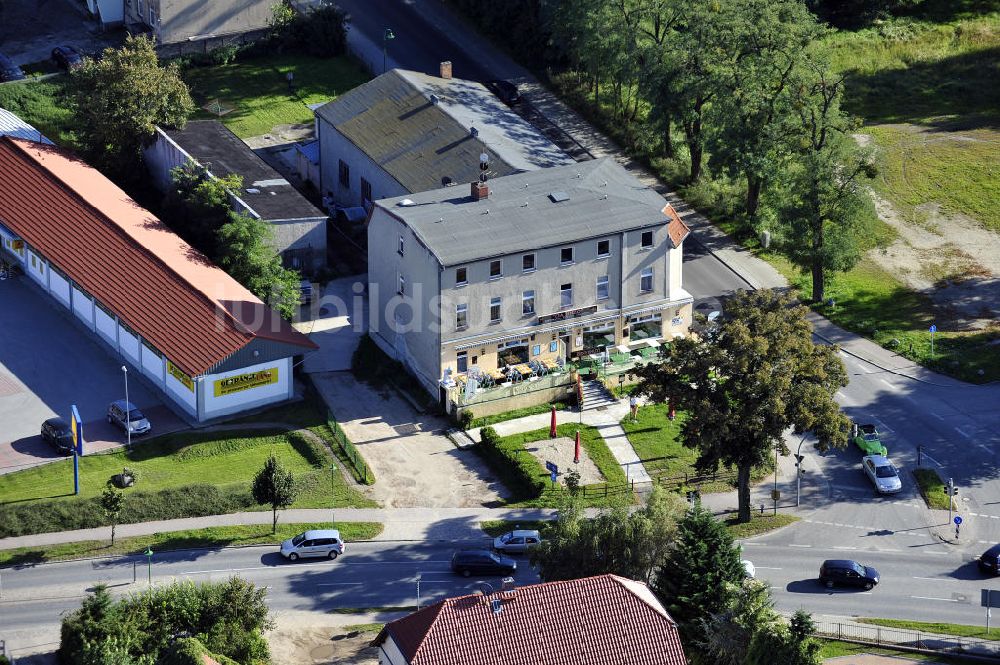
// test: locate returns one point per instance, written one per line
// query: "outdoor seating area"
(623, 357)
(510, 374)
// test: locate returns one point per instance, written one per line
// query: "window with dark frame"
(400, 248)
(462, 362)
(527, 262)
(496, 269)
(366, 191)
(603, 248)
(345, 174)
(647, 239)
(566, 256)
(402, 285)
(461, 276)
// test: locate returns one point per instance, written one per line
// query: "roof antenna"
(484, 166)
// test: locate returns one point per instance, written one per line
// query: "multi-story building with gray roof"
(533, 267)
(405, 132)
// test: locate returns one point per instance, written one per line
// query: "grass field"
(483, 421)
(212, 537)
(257, 89)
(932, 488)
(834, 649)
(39, 104)
(957, 629)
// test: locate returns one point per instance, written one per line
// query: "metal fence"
(899, 637)
(351, 453)
(506, 391)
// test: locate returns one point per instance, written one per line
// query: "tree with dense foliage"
(246, 253)
(826, 216)
(752, 377)
(632, 545)
(197, 205)
(274, 486)
(112, 502)
(120, 98)
(228, 618)
(697, 578)
(760, 45)
(320, 31)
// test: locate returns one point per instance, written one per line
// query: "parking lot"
(48, 362)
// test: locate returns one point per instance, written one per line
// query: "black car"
(848, 573)
(56, 433)
(505, 90)
(8, 70)
(989, 561)
(482, 562)
(67, 57)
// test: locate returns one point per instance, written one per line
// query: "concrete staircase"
(596, 396)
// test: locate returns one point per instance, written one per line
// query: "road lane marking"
(887, 383)
(797, 545)
(962, 432)
(947, 600)
(842, 547)
(767, 568)
(933, 579)
(933, 460)
(937, 415)
(342, 584)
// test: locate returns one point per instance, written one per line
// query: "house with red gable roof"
(200, 337)
(602, 620)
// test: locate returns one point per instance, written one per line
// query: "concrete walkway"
(606, 422)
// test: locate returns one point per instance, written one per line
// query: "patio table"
(523, 370)
(497, 375)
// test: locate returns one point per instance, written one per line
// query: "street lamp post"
(798, 470)
(387, 36)
(149, 565)
(128, 421)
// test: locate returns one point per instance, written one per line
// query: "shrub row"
(517, 472)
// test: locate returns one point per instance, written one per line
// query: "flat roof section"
(265, 190)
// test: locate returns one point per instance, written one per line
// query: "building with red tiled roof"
(602, 620)
(203, 339)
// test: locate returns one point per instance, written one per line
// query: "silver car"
(882, 473)
(315, 543)
(128, 417)
(516, 542)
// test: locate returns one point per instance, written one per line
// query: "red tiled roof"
(596, 620)
(676, 229)
(118, 252)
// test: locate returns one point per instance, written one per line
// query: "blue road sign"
(958, 519)
(933, 329)
(553, 477)
(550, 466)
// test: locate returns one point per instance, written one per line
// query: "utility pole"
(798, 471)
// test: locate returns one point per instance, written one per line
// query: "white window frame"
(461, 316)
(603, 280)
(399, 249)
(572, 256)
(496, 303)
(526, 298)
(465, 281)
(563, 290)
(534, 263)
(646, 274)
(642, 240)
(500, 275)
(605, 254)
(401, 290)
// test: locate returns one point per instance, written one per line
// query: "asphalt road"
(367, 575)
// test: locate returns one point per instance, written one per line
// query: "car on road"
(314, 543)
(749, 569)
(867, 439)
(482, 562)
(128, 417)
(882, 473)
(505, 91)
(518, 541)
(56, 433)
(8, 70)
(846, 572)
(989, 561)
(67, 57)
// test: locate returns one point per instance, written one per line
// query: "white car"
(749, 569)
(882, 473)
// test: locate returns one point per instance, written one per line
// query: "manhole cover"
(8, 386)
(405, 430)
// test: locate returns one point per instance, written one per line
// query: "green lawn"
(179, 475)
(957, 629)
(39, 104)
(835, 649)
(212, 537)
(758, 524)
(483, 421)
(494, 528)
(932, 488)
(257, 89)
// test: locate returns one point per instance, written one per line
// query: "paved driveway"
(49, 362)
(415, 464)
(335, 320)
(29, 29)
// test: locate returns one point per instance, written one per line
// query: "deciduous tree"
(753, 376)
(246, 253)
(120, 98)
(274, 486)
(112, 502)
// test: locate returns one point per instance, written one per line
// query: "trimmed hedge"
(518, 471)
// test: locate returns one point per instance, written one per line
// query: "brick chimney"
(480, 191)
(446, 69)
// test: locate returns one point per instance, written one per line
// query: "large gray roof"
(522, 213)
(419, 128)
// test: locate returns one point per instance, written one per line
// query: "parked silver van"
(323, 542)
(517, 542)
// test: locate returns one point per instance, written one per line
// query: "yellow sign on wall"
(183, 378)
(235, 384)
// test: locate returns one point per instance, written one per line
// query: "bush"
(517, 474)
(321, 32)
(465, 419)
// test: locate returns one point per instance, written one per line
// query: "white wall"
(213, 407)
(106, 327)
(162, 156)
(35, 267)
(184, 396)
(128, 344)
(389, 653)
(83, 307)
(332, 148)
(59, 287)
(152, 365)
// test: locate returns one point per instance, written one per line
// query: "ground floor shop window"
(512, 353)
(644, 327)
(599, 336)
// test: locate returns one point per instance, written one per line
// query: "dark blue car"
(8, 70)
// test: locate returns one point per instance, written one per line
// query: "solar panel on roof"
(558, 197)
